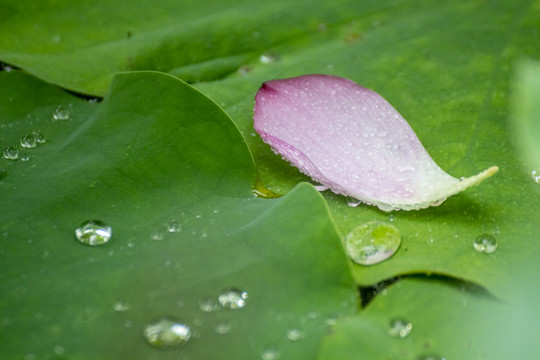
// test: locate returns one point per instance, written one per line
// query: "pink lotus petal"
(350, 139)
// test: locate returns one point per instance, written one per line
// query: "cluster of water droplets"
(28, 141)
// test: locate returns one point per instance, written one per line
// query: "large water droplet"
(400, 328)
(93, 232)
(485, 243)
(270, 354)
(62, 113)
(295, 334)
(29, 141)
(209, 305)
(167, 333)
(11, 153)
(233, 298)
(372, 242)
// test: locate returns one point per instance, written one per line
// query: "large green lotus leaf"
(446, 67)
(81, 45)
(450, 320)
(155, 152)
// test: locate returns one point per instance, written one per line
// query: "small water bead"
(24, 157)
(233, 299)
(173, 227)
(295, 334)
(38, 136)
(209, 305)
(536, 176)
(430, 357)
(62, 113)
(93, 232)
(400, 328)
(372, 242)
(156, 235)
(167, 333)
(29, 142)
(11, 153)
(268, 58)
(270, 354)
(223, 328)
(485, 243)
(120, 307)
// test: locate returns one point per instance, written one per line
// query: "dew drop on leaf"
(93, 232)
(295, 334)
(223, 328)
(233, 298)
(173, 226)
(485, 243)
(270, 354)
(167, 333)
(268, 58)
(372, 242)
(11, 153)
(400, 328)
(209, 305)
(29, 141)
(62, 113)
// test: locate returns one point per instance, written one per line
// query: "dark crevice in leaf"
(369, 293)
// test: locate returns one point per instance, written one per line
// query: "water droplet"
(485, 243)
(270, 354)
(38, 136)
(62, 113)
(372, 242)
(209, 305)
(59, 350)
(233, 299)
(166, 333)
(24, 157)
(156, 235)
(536, 176)
(173, 226)
(11, 153)
(93, 232)
(400, 328)
(430, 357)
(222, 328)
(268, 58)
(120, 307)
(295, 334)
(29, 141)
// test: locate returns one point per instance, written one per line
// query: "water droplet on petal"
(400, 328)
(166, 333)
(295, 334)
(270, 354)
(233, 298)
(209, 305)
(62, 113)
(28, 142)
(93, 232)
(372, 242)
(222, 328)
(11, 153)
(485, 243)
